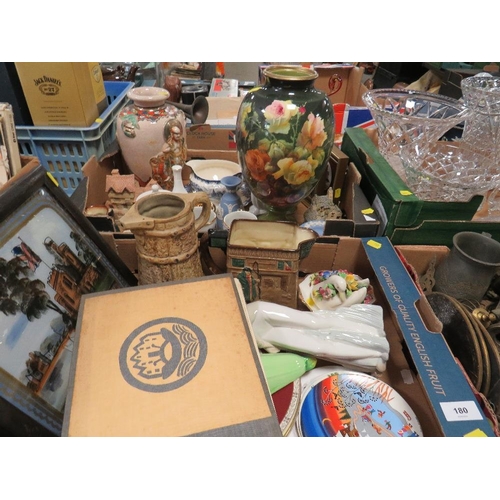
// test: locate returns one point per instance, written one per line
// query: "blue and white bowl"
(206, 176)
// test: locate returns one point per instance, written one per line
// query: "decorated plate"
(341, 403)
(286, 403)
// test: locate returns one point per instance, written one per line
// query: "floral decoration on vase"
(284, 136)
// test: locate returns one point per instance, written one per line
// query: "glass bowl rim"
(370, 96)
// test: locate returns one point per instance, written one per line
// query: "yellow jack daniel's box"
(63, 94)
(174, 359)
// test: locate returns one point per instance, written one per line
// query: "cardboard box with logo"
(215, 139)
(341, 82)
(173, 359)
(69, 94)
(421, 366)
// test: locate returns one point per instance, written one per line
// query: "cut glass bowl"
(448, 171)
(404, 116)
(482, 93)
(482, 127)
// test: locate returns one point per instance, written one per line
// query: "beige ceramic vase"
(151, 134)
(166, 235)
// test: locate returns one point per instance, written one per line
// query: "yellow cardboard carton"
(63, 94)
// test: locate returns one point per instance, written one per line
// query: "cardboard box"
(421, 367)
(190, 370)
(215, 139)
(419, 259)
(206, 137)
(95, 196)
(63, 94)
(406, 219)
(342, 83)
(360, 218)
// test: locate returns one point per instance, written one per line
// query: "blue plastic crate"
(63, 151)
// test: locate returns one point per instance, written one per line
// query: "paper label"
(374, 244)
(461, 410)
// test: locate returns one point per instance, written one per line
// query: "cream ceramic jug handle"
(200, 198)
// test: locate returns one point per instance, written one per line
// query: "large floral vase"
(284, 136)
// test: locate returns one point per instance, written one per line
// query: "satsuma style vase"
(151, 134)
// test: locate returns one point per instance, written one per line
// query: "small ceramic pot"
(230, 201)
(472, 263)
(251, 245)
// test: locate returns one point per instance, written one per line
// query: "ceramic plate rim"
(318, 374)
(233, 167)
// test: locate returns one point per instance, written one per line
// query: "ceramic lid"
(155, 188)
(341, 403)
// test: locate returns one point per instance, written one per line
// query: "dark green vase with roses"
(284, 136)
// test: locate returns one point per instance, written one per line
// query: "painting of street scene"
(45, 267)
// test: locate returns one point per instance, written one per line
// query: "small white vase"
(178, 182)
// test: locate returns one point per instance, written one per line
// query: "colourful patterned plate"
(342, 403)
(286, 402)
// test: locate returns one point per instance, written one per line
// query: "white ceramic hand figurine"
(351, 336)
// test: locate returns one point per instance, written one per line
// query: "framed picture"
(50, 255)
